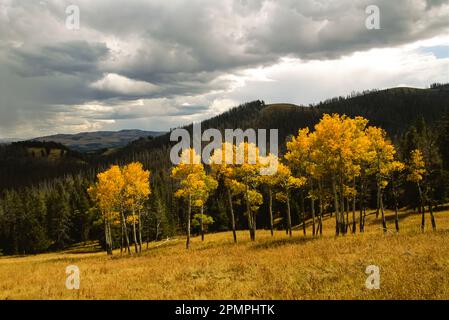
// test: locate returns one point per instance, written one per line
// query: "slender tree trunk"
(140, 231)
(320, 200)
(157, 232)
(378, 202)
(364, 217)
(378, 194)
(362, 200)
(201, 224)
(312, 207)
(289, 217)
(250, 218)
(135, 232)
(337, 211)
(303, 213)
(396, 217)
(432, 218)
(342, 208)
(354, 223)
(384, 222)
(232, 214)
(111, 243)
(254, 225)
(423, 218)
(396, 205)
(270, 209)
(158, 223)
(121, 237)
(125, 229)
(347, 224)
(189, 213)
(107, 238)
(361, 218)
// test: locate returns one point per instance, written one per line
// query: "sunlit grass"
(413, 265)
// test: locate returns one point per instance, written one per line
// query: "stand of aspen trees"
(330, 167)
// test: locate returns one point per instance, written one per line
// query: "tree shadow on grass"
(388, 218)
(401, 216)
(198, 246)
(83, 248)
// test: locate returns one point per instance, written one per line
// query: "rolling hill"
(92, 141)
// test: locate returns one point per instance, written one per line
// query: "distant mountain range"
(92, 141)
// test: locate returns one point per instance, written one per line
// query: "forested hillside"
(392, 109)
(45, 205)
(29, 162)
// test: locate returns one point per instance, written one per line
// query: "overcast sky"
(163, 63)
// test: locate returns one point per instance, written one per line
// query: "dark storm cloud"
(72, 58)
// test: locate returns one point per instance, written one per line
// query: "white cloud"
(305, 82)
(120, 84)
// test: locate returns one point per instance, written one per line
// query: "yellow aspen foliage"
(284, 179)
(108, 195)
(222, 163)
(381, 155)
(255, 199)
(195, 185)
(247, 171)
(416, 167)
(298, 150)
(194, 182)
(120, 189)
(108, 191)
(137, 184)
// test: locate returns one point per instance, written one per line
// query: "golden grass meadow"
(413, 265)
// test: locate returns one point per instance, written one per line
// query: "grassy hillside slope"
(413, 265)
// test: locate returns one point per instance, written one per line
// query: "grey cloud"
(327, 30)
(202, 39)
(76, 57)
(184, 48)
(435, 3)
(169, 111)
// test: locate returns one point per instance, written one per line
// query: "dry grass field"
(414, 265)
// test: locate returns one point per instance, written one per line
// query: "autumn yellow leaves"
(336, 159)
(195, 187)
(119, 194)
(332, 167)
